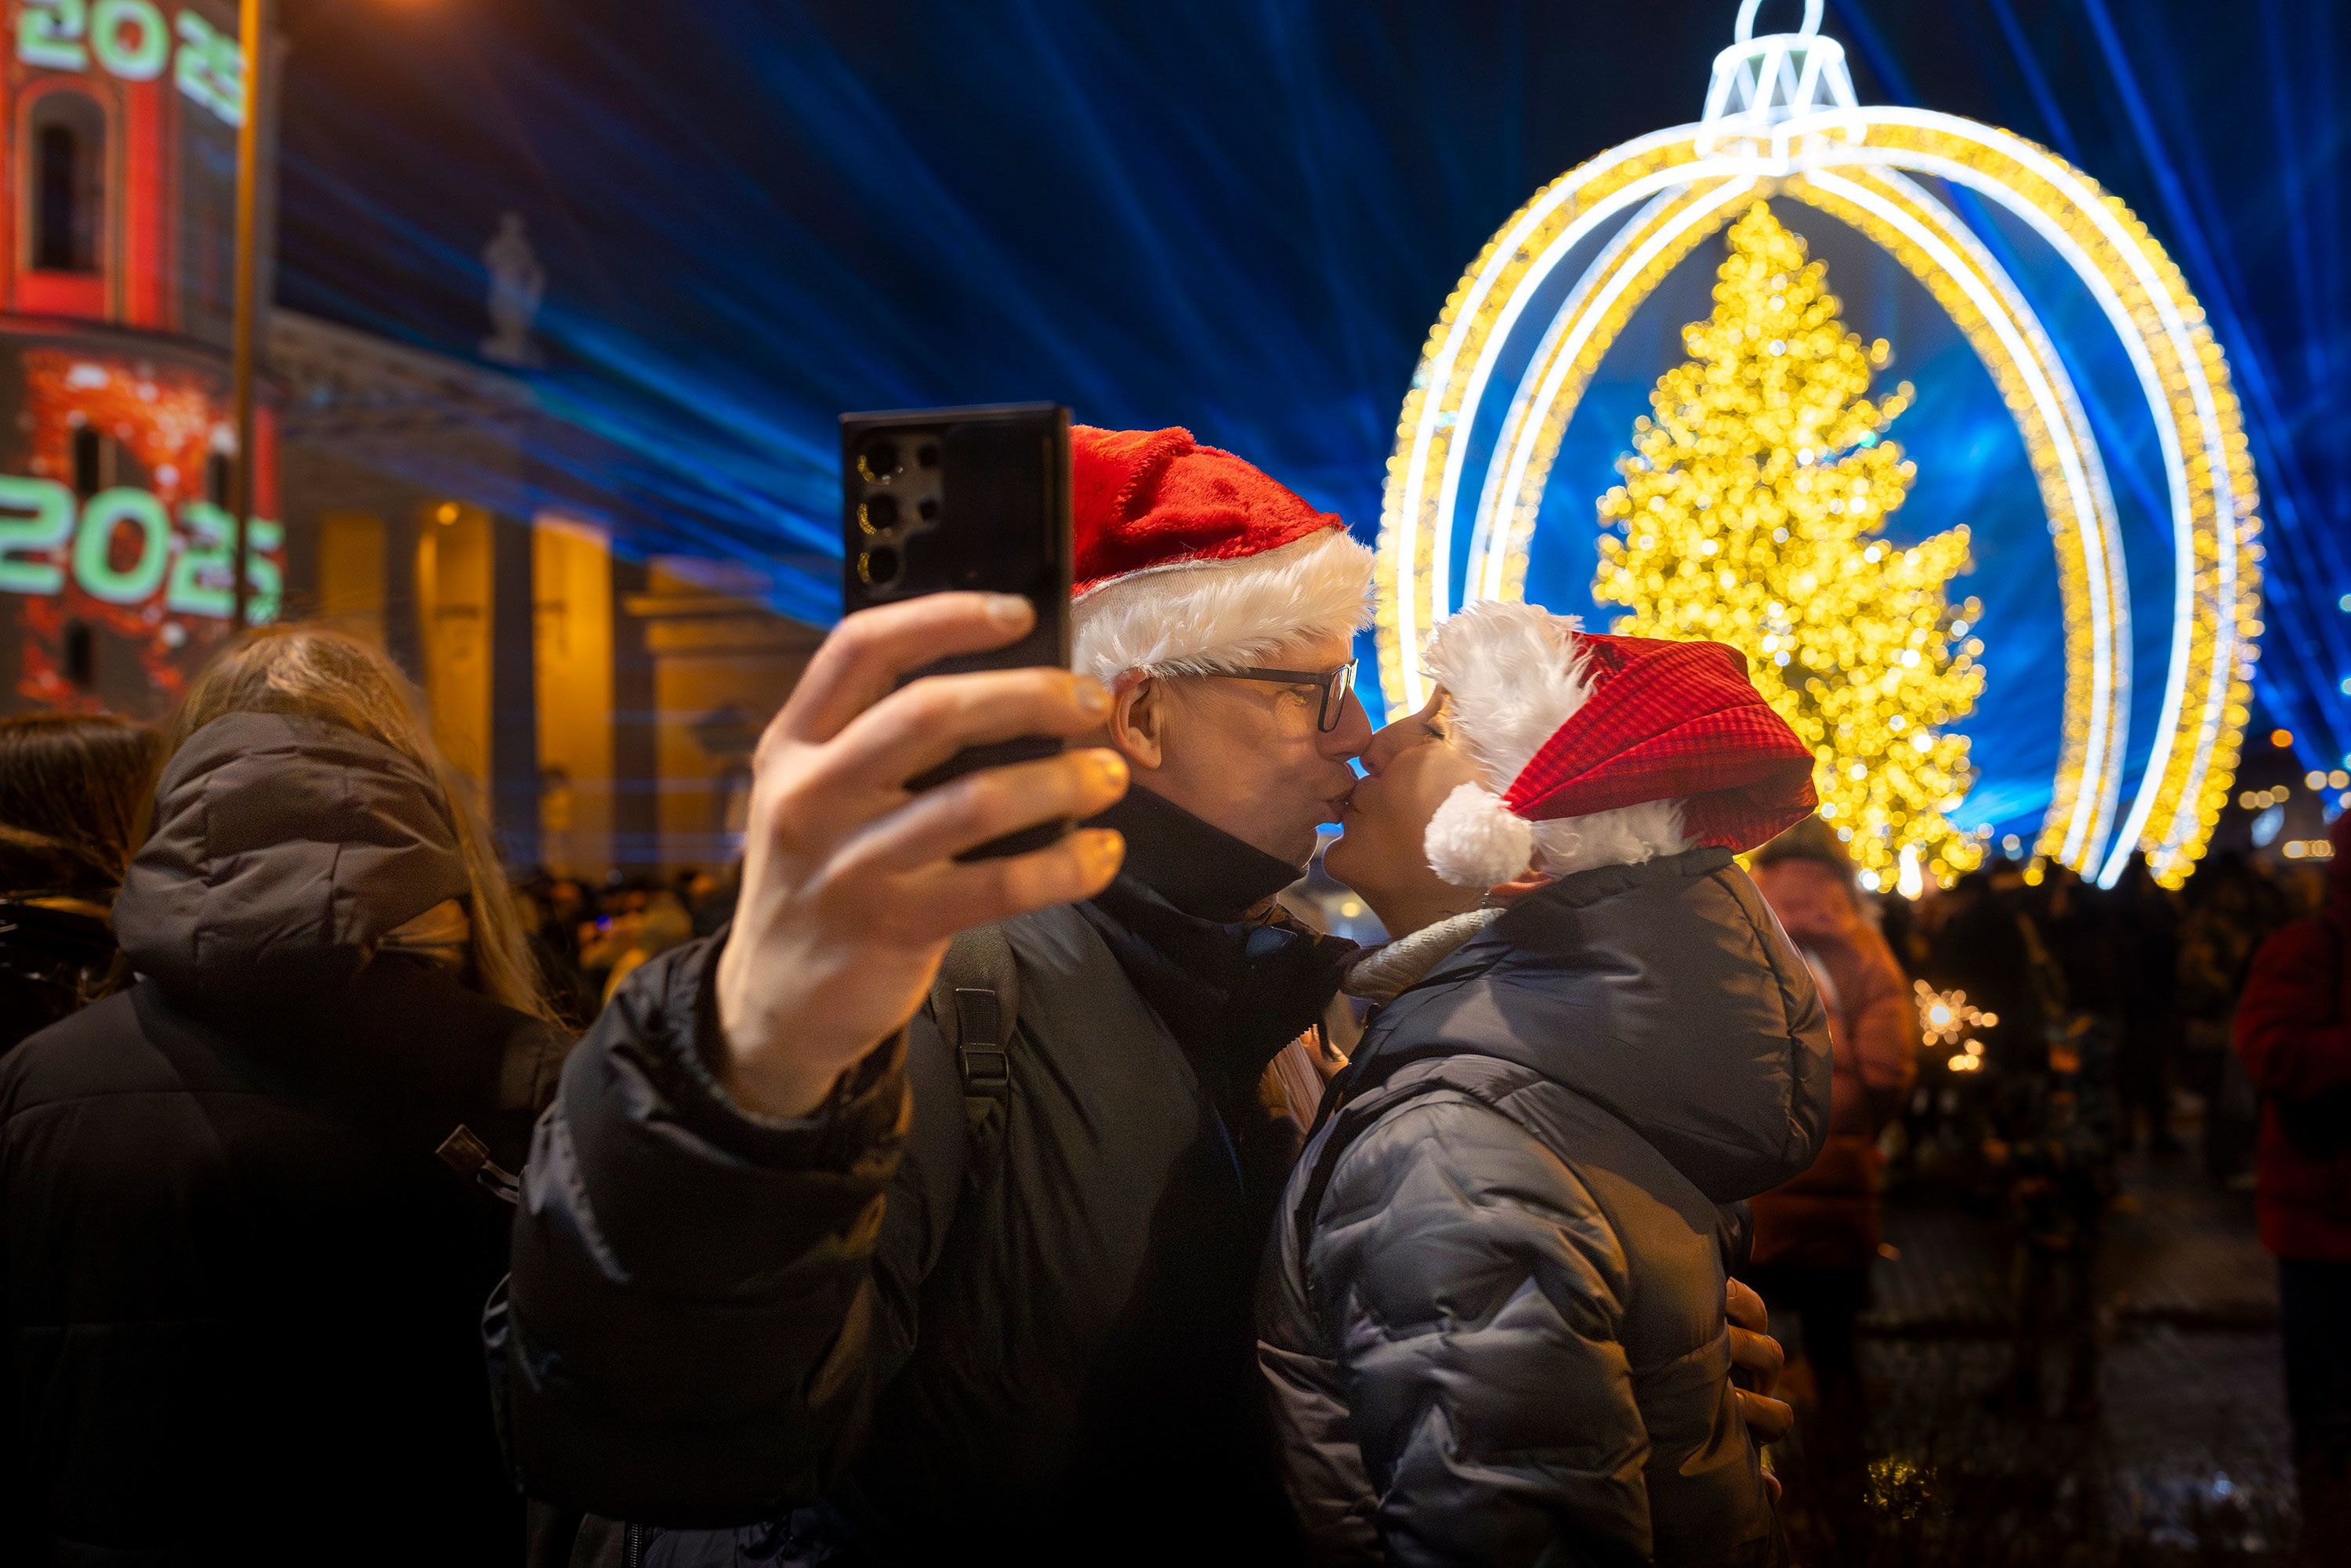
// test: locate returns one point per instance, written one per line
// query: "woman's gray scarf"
(1386, 973)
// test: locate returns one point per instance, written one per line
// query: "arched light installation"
(1781, 121)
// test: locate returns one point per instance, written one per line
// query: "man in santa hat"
(793, 1240)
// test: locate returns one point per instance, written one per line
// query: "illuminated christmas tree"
(1753, 512)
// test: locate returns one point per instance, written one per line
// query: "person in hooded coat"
(2294, 1034)
(1492, 1322)
(240, 1282)
(1817, 1235)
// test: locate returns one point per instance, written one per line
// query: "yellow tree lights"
(1753, 512)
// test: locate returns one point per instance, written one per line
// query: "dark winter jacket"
(2293, 1031)
(241, 1294)
(1035, 1344)
(1492, 1321)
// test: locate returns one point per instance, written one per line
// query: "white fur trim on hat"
(1515, 674)
(1193, 617)
(1475, 841)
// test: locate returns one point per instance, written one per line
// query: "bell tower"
(121, 168)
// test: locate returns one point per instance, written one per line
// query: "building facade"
(603, 696)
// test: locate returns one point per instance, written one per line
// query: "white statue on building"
(518, 284)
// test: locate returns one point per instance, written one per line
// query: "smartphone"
(944, 498)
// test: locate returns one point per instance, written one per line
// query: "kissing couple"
(938, 1204)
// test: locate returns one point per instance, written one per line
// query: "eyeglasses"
(1334, 684)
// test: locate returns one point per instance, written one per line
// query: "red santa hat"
(1602, 750)
(1190, 560)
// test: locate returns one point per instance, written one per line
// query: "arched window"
(67, 183)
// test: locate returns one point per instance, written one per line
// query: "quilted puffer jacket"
(1492, 1322)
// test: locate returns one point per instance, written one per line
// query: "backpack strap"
(976, 1002)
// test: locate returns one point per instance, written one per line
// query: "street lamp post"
(253, 29)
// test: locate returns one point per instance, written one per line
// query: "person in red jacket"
(2293, 1032)
(1816, 1236)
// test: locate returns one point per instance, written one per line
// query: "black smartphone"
(942, 498)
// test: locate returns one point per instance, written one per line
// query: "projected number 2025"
(123, 548)
(130, 39)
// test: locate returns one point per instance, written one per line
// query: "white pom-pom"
(1474, 842)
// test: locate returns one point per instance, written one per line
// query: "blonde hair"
(312, 672)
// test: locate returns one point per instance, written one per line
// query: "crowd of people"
(869, 1201)
(587, 939)
(2151, 977)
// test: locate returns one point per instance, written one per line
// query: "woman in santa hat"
(1493, 1321)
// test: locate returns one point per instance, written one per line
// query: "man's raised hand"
(850, 888)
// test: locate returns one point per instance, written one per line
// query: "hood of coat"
(283, 850)
(1664, 992)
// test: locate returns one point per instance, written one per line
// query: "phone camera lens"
(880, 461)
(878, 567)
(879, 512)
(928, 455)
(928, 510)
